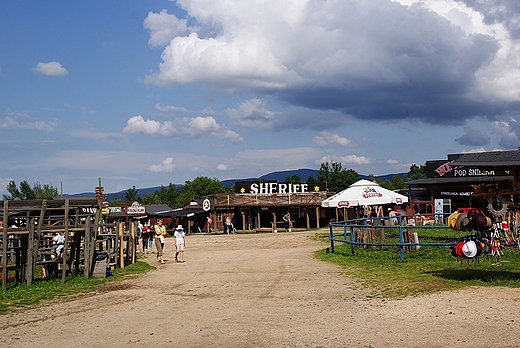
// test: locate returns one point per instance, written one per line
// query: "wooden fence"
(28, 240)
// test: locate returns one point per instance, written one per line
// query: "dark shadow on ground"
(482, 275)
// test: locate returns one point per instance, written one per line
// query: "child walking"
(180, 242)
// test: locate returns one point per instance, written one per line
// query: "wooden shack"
(28, 238)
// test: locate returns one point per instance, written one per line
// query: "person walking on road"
(180, 242)
(160, 233)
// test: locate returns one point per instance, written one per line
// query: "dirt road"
(262, 290)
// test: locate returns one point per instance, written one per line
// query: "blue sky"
(144, 93)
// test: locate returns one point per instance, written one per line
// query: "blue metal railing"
(348, 233)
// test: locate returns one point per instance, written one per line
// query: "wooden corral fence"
(28, 239)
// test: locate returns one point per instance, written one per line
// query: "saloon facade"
(465, 180)
(259, 205)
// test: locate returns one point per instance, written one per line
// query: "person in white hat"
(180, 242)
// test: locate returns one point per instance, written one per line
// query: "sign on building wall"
(136, 208)
(275, 187)
(444, 169)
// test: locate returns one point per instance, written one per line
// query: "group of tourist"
(154, 236)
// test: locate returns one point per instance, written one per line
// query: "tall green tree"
(199, 188)
(45, 191)
(150, 198)
(26, 191)
(115, 203)
(13, 190)
(417, 172)
(336, 177)
(131, 195)
(168, 195)
(311, 180)
(397, 183)
(293, 178)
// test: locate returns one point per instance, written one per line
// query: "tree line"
(26, 191)
(333, 174)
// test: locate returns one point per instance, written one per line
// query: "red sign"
(136, 208)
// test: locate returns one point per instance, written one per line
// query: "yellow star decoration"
(316, 189)
(242, 190)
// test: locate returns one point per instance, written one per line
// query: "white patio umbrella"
(363, 193)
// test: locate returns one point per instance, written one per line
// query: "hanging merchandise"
(496, 247)
(469, 248)
(497, 206)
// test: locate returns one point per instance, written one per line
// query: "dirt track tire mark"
(274, 283)
(93, 306)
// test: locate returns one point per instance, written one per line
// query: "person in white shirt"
(180, 242)
(59, 242)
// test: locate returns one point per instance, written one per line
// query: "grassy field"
(427, 270)
(52, 289)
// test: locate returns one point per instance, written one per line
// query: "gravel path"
(262, 290)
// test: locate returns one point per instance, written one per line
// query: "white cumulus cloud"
(326, 138)
(137, 124)
(508, 132)
(50, 69)
(344, 160)
(222, 167)
(251, 113)
(437, 61)
(163, 27)
(24, 120)
(199, 126)
(171, 108)
(167, 166)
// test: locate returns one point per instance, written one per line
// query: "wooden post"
(408, 237)
(308, 218)
(132, 240)
(243, 220)
(74, 253)
(65, 243)
(120, 231)
(357, 234)
(371, 235)
(86, 249)
(24, 240)
(317, 217)
(35, 245)
(93, 237)
(76, 218)
(30, 253)
(4, 245)
(273, 227)
(258, 218)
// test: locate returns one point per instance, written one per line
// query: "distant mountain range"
(280, 176)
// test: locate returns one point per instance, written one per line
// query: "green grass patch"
(427, 270)
(21, 295)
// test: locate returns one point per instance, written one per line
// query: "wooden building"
(85, 245)
(464, 180)
(261, 205)
(28, 230)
